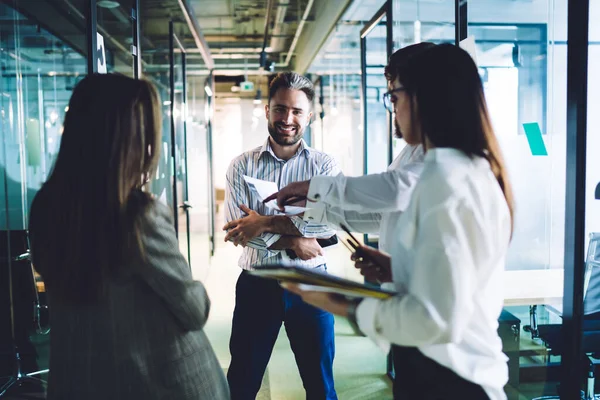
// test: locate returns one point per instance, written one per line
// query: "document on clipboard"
(309, 279)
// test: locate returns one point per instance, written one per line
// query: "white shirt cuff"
(366, 318)
(319, 187)
(316, 214)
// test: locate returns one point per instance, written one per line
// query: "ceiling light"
(108, 4)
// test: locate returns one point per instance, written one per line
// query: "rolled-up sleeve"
(313, 224)
(312, 230)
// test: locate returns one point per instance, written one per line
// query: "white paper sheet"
(263, 189)
(101, 54)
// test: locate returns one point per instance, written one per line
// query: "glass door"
(43, 55)
(114, 29)
(209, 90)
(376, 48)
(201, 193)
(178, 114)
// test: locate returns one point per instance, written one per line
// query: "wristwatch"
(352, 315)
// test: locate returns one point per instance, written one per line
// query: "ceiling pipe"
(192, 67)
(234, 38)
(230, 72)
(277, 42)
(288, 57)
(263, 54)
(194, 27)
(234, 56)
(232, 50)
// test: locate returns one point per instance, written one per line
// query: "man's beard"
(285, 140)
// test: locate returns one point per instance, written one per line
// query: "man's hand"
(242, 230)
(291, 194)
(306, 248)
(374, 265)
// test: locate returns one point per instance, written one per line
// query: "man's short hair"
(292, 81)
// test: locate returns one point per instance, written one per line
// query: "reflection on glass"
(199, 175)
(161, 186)
(418, 21)
(512, 59)
(115, 25)
(591, 302)
(376, 128)
(592, 207)
(39, 70)
(376, 118)
(179, 119)
(189, 168)
(521, 62)
(38, 76)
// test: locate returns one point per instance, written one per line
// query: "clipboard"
(331, 283)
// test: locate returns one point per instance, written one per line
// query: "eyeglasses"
(389, 98)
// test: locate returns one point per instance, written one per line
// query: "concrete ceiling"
(322, 35)
(290, 31)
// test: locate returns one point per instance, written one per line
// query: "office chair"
(551, 334)
(14, 253)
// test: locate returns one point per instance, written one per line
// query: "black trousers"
(419, 377)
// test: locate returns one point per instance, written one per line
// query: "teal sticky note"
(534, 138)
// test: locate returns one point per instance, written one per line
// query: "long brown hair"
(400, 57)
(86, 220)
(451, 110)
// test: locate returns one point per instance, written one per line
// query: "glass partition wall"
(46, 48)
(376, 48)
(530, 82)
(178, 117)
(183, 180)
(116, 26)
(40, 66)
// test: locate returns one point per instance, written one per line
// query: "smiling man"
(262, 305)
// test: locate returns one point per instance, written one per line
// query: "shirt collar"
(444, 154)
(449, 154)
(303, 149)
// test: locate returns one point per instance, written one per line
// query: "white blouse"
(369, 203)
(447, 264)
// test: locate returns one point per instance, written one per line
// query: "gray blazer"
(145, 339)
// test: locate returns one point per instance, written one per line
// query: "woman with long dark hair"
(126, 315)
(450, 246)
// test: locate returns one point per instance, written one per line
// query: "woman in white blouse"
(451, 242)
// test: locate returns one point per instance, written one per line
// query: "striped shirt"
(262, 163)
